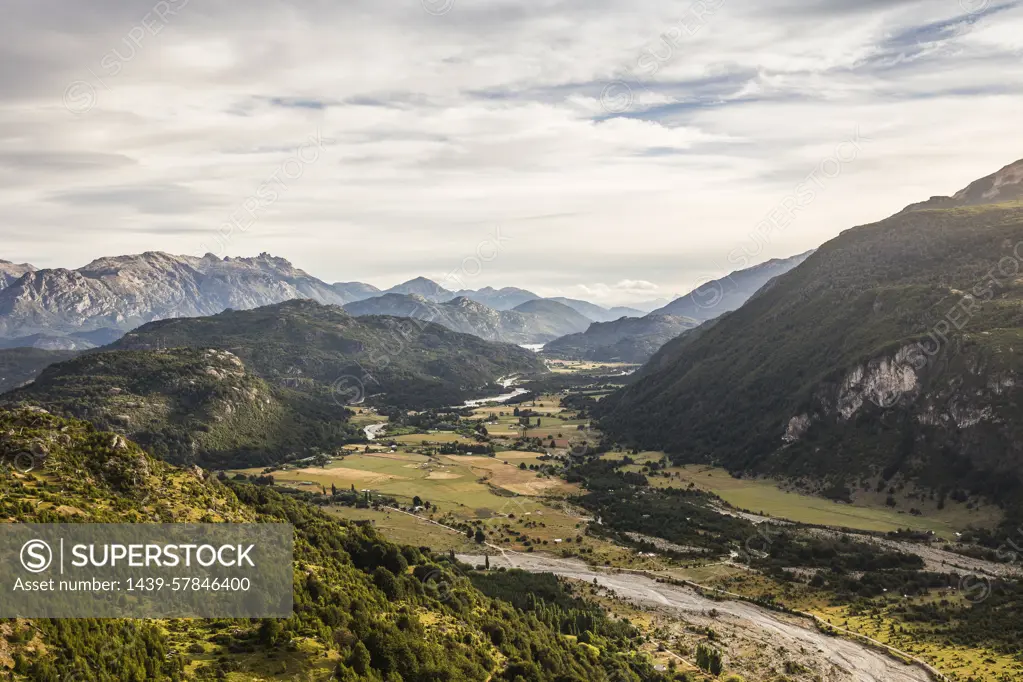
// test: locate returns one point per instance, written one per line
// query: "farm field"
(555, 421)
(765, 497)
(573, 366)
(468, 486)
(418, 438)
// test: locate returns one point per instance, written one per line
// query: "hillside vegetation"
(313, 347)
(892, 353)
(19, 365)
(188, 406)
(629, 339)
(365, 609)
(251, 388)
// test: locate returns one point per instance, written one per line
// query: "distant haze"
(616, 151)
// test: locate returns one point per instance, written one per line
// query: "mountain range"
(532, 322)
(891, 354)
(728, 293)
(124, 292)
(91, 306)
(635, 338)
(629, 339)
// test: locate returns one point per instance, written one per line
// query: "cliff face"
(960, 407)
(124, 292)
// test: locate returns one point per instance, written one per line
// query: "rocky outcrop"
(12, 272)
(796, 427)
(882, 381)
(124, 292)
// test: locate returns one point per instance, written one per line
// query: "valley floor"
(518, 499)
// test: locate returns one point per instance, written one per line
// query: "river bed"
(844, 659)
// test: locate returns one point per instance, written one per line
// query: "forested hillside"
(365, 609)
(891, 352)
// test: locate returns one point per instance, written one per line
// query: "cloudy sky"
(617, 150)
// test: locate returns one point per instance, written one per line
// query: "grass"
(963, 662)
(469, 486)
(764, 496)
(408, 530)
(574, 366)
(418, 438)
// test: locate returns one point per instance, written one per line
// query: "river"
(505, 382)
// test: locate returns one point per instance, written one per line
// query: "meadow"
(765, 497)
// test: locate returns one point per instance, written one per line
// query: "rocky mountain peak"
(1001, 186)
(123, 292)
(12, 272)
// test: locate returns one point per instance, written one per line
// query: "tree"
(708, 659)
(360, 659)
(270, 631)
(417, 501)
(481, 537)
(333, 490)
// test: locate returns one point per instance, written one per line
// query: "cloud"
(626, 142)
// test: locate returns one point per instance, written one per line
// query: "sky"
(613, 150)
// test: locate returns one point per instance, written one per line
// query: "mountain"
(74, 341)
(12, 272)
(652, 305)
(498, 299)
(302, 343)
(124, 292)
(596, 313)
(354, 291)
(364, 607)
(470, 317)
(720, 296)
(95, 304)
(421, 286)
(257, 386)
(621, 311)
(1003, 186)
(546, 306)
(190, 406)
(20, 365)
(890, 354)
(629, 339)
